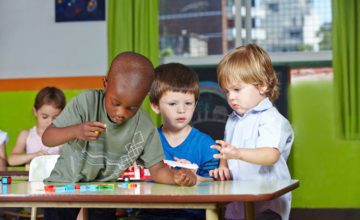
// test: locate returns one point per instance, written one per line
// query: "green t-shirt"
(115, 150)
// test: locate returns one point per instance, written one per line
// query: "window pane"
(202, 28)
(191, 28)
(294, 25)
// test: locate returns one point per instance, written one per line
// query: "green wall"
(327, 167)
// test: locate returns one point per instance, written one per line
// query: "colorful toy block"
(6, 180)
(60, 189)
(49, 188)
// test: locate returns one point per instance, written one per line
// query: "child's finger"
(213, 173)
(217, 147)
(98, 127)
(92, 135)
(227, 174)
(179, 178)
(221, 175)
(220, 142)
(182, 161)
(220, 156)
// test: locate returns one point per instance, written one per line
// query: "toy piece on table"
(69, 188)
(108, 186)
(175, 164)
(124, 185)
(128, 185)
(60, 189)
(66, 188)
(93, 188)
(81, 188)
(6, 180)
(132, 185)
(49, 188)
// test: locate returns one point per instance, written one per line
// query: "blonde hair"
(249, 64)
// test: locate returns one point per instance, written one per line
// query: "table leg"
(33, 213)
(85, 213)
(212, 214)
(249, 210)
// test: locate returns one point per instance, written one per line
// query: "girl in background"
(49, 102)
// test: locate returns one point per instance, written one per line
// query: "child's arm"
(54, 136)
(3, 161)
(18, 154)
(163, 174)
(260, 155)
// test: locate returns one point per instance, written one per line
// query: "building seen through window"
(200, 28)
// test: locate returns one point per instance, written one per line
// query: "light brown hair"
(249, 64)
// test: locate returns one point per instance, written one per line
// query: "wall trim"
(34, 84)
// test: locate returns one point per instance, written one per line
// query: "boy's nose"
(181, 109)
(230, 95)
(120, 111)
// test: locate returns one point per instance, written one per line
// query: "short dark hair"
(174, 77)
(50, 96)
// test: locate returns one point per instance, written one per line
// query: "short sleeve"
(71, 114)
(153, 151)
(3, 137)
(274, 131)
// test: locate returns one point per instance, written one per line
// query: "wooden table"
(205, 195)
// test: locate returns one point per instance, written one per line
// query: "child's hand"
(90, 130)
(221, 173)
(185, 161)
(184, 177)
(226, 150)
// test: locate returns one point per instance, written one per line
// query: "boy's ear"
(155, 108)
(105, 82)
(263, 89)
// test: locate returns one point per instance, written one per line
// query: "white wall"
(32, 44)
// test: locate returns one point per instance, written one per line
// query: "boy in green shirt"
(105, 131)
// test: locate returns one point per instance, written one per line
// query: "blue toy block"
(83, 188)
(93, 188)
(6, 180)
(70, 188)
(60, 189)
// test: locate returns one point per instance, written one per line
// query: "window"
(201, 28)
(273, 7)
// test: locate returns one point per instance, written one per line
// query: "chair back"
(41, 167)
